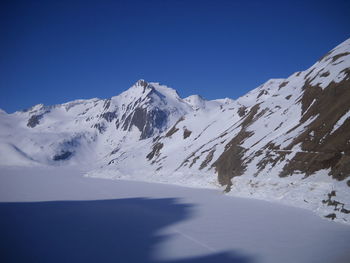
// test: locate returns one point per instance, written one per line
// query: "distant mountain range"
(287, 140)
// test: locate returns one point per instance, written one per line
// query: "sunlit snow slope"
(287, 140)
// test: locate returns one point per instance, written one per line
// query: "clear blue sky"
(55, 51)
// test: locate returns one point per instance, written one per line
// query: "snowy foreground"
(57, 215)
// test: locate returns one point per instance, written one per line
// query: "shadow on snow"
(121, 230)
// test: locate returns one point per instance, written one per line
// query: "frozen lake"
(57, 215)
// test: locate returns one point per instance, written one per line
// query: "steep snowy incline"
(287, 140)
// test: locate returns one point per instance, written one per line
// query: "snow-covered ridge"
(287, 140)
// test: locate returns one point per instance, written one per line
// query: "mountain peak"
(141, 83)
(140, 89)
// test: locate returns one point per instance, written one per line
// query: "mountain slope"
(287, 140)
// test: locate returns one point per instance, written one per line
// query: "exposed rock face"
(146, 121)
(34, 120)
(109, 115)
(230, 163)
(187, 133)
(320, 148)
(62, 156)
(324, 149)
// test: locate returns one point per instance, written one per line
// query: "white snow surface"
(214, 227)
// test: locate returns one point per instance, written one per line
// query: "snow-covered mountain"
(287, 140)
